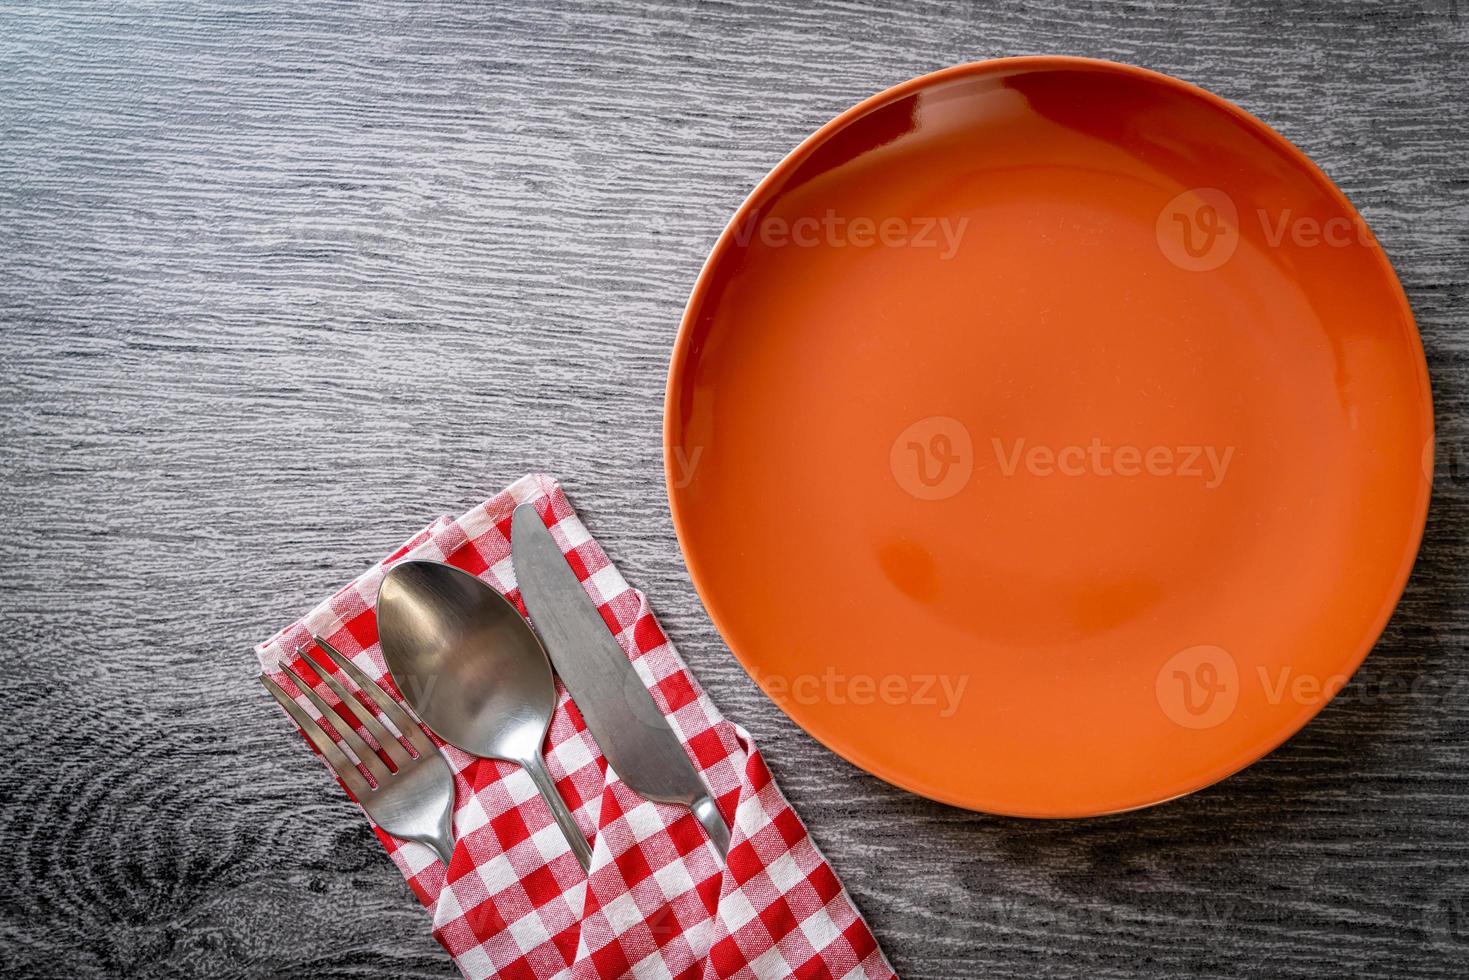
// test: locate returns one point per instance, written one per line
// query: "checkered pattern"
(513, 902)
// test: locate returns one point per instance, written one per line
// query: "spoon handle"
(536, 766)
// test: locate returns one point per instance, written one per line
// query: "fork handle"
(536, 767)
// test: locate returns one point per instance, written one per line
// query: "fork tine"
(396, 713)
(360, 748)
(396, 753)
(334, 756)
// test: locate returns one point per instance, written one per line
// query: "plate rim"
(679, 356)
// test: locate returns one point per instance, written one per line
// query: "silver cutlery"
(473, 670)
(619, 711)
(412, 800)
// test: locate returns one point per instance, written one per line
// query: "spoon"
(472, 668)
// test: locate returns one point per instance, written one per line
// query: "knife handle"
(708, 815)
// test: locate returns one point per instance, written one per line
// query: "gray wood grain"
(279, 283)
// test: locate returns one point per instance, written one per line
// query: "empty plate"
(1048, 437)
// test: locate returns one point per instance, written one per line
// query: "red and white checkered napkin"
(658, 902)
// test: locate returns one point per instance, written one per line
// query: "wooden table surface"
(279, 284)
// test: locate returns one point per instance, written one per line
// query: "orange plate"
(1048, 437)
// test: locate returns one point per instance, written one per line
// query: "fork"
(414, 799)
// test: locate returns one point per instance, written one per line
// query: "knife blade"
(620, 713)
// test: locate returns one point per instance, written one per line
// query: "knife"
(619, 711)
